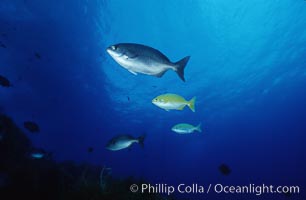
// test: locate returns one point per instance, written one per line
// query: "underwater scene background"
(247, 69)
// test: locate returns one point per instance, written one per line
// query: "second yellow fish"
(173, 102)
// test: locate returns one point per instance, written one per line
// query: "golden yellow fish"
(173, 102)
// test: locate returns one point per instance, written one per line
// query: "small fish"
(173, 102)
(90, 149)
(138, 58)
(31, 126)
(3, 34)
(123, 141)
(184, 128)
(224, 169)
(40, 154)
(37, 55)
(37, 155)
(2, 45)
(4, 82)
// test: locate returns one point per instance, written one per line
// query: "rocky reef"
(23, 176)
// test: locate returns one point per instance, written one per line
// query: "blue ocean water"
(247, 70)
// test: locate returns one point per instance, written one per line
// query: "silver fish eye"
(113, 47)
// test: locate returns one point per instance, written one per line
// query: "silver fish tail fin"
(180, 66)
(141, 140)
(198, 128)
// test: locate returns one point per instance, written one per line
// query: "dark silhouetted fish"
(3, 34)
(4, 82)
(224, 169)
(31, 126)
(138, 58)
(90, 149)
(2, 45)
(37, 55)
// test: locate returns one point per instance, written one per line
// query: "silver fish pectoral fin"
(160, 74)
(130, 55)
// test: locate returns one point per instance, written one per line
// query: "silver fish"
(37, 155)
(123, 141)
(138, 58)
(184, 128)
(40, 154)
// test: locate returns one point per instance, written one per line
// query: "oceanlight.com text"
(256, 189)
(214, 188)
